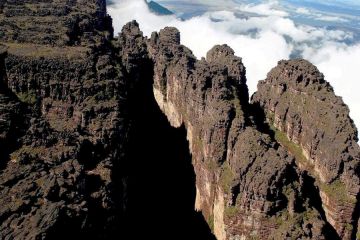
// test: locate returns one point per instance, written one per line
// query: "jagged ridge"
(64, 168)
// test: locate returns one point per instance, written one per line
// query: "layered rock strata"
(285, 166)
(246, 182)
(300, 103)
(9, 111)
(55, 22)
(57, 173)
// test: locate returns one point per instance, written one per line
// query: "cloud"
(270, 8)
(261, 40)
(321, 16)
(341, 66)
(340, 3)
(303, 11)
(259, 52)
(331, 19)
(205, 2)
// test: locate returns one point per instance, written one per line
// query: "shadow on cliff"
(161, 179)
(310, 190)
(356, 216)
(15, 119)
(312, 193)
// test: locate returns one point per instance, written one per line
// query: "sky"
(264, 32)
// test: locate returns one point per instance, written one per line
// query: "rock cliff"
(298, 102)
(105, 137)
(247, 179)
(9, 111)
(56, 171)
(54, 22)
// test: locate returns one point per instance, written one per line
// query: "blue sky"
(337, 2)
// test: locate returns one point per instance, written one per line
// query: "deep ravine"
(108, 138)
(160, 174)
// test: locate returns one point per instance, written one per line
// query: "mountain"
(134, 137)
(158, 9)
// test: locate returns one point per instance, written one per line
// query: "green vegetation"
(226, 178)
(293, 148)
(270, 118)
(37, 51)
(281, 218)
(212, 165)
(27, 150)
(253, 237)
(236, 102)
(27, 97)
(337, 190)
(197, 142)
(287, 191)
(358, 235)
(237, 106)
(94, 102)
(231, 211)
(285, 222)
(32, 7)
(40, 182)
(310, 215)
(210, 222)
(348, 227)
(184, 113)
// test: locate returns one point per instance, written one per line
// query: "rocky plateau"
(129, 137)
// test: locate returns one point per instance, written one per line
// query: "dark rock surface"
(129, 137)
(304, 105)
(299, 102)
(246, 182)
(56, 176)
(9, 112)
(158, 9)
(55, 22)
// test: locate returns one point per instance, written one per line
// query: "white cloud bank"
(261, 41)
(303, 11)
(317, 15)
(331, 19)
(268, 9)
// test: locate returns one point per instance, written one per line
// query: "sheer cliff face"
(246, 181)
(76, 22)
(209, 97)
(299, 102)
(75, 153)
(60, 151)
(9, 109)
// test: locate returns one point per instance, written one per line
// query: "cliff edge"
(103, 135)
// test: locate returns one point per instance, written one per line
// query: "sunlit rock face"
(94, 129)
(299, 102)
(230, 146)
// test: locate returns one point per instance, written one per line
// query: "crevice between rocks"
(160, 176)
(312, 192)
(310, 189)
(356, 217)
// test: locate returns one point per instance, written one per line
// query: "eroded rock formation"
(9, 111)
(299, 102)
(55, 22)
(246, 181)
(56, 174)
(81, 111)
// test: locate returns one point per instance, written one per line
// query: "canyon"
(130, 137)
